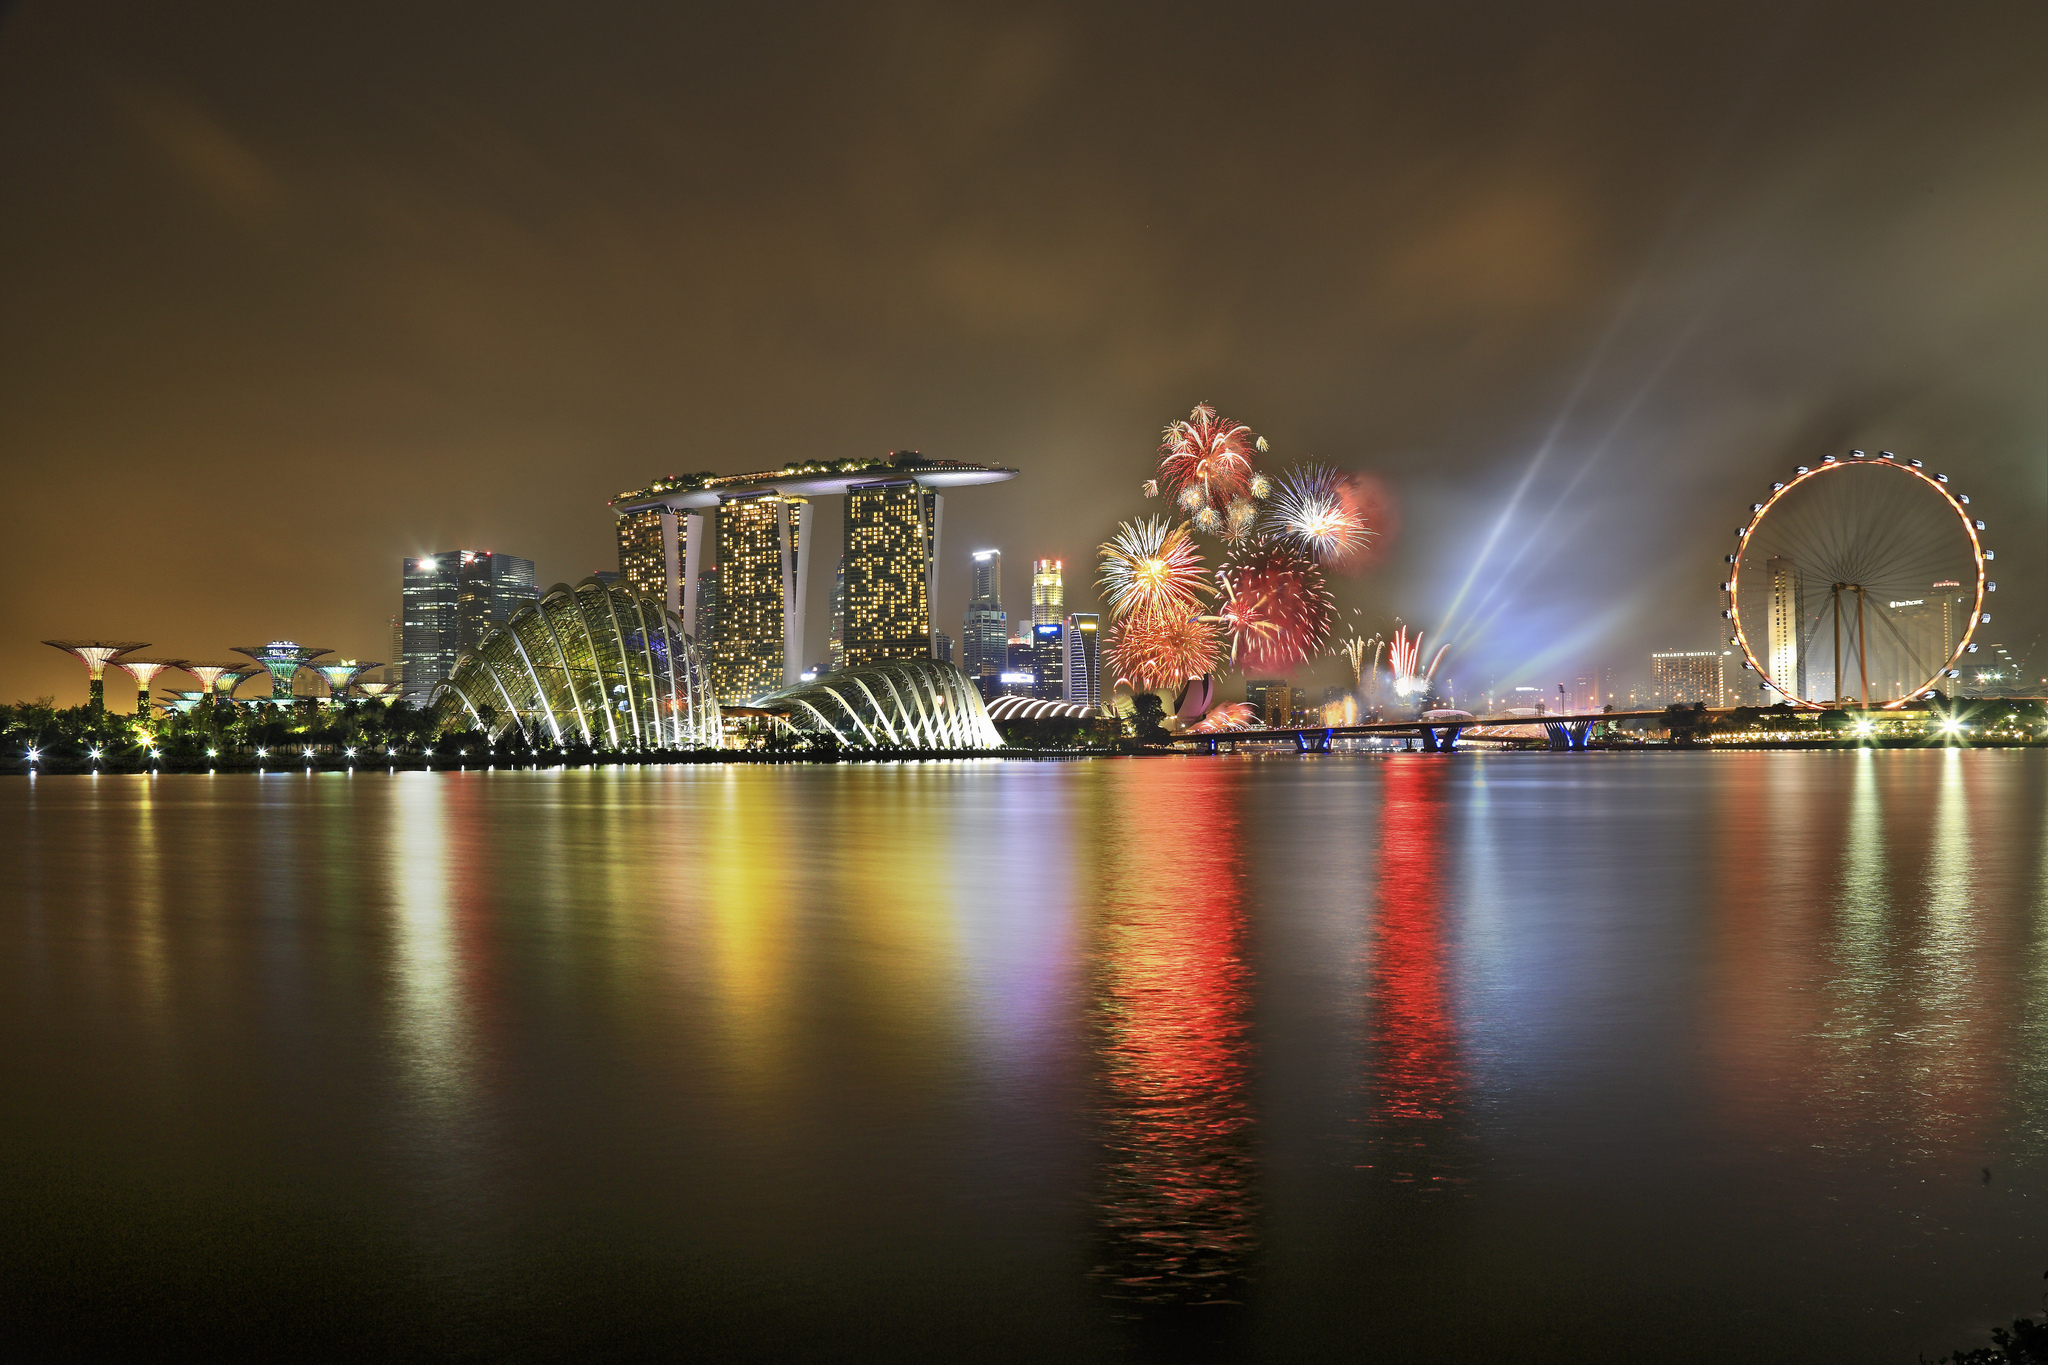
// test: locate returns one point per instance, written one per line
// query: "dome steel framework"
(896, 703)
(596, 664)
(1867, 562)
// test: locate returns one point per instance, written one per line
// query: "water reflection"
(1415, 1077)
(1176, 1206)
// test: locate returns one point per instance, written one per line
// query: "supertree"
(1207, 469)
(1275, 606)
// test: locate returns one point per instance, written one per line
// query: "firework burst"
(1320, 510)
(1205, 465)
(1275, 606)
(1150, 649)
(1405, 656)
(1236, 715)
(1151, 568)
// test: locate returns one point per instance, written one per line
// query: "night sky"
(289, 292)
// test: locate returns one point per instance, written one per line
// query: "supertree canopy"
(1275, 605)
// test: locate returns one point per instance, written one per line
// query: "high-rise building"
(661, 541)
(1083, 683)
(490, 588)
(942, 647)
(985, 633)
(1786, 626)
(428, 618)
(394, 672)
(448, 601)
(1049, 659)
(1048, 593)
(835, 644)
(892, 541)
(707, 608)
(1271, 699)
(1687, 676)
(761, 595)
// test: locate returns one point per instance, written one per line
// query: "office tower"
(394, 672)
(761, 597)
(985, 634)
(1786, 626)
(892, 541)
(707, 607)
(428, 623)
(942, 647)
(489, 589)
(1049, 659)
(1048, 595)
(835, 644)
(1686, 677)
(1271, 699)
(1082, 682)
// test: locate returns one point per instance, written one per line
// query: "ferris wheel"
(1862, 579)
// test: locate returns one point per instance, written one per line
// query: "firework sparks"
(1236, 715)
(1320, 510)
(1354, 651)
(1151, 568)
(1152, 649)
(1405, 655)
(1205, 465)
(1275, 606)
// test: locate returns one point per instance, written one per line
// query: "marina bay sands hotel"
(760, 533)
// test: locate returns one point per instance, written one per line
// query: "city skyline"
(1564, 381)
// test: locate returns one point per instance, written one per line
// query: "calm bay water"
(1564, 1057)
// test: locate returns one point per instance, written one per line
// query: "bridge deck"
(1416, 726)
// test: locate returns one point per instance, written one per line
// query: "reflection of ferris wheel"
(1862, 580)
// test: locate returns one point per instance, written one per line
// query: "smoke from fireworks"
(1151, 568)
(1320, 510)
(1205, 468)
(1276, 606)
(1151, 650)
(1405, 655)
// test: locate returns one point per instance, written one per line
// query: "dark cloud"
(288, 294)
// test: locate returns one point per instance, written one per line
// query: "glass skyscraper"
(985, 633)
(1048, 592)
(1082, 682)
(761, 597)
(448, 601)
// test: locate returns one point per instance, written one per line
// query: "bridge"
(1439, 734)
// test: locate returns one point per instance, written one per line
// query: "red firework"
(1234, 715)
(1276, 606)
(1152, 649)
(1205, 463)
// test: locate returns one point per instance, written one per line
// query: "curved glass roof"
(596, 664)
(913, 703)
(1037, 708)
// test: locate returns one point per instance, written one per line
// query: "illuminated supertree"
(1405, 656)
(1152, 568)
(96, 655)
(1207, 470)
(342, 674)
(144, 672)
(283, 659)
(1149, 651)
(218, 680)
(1319, 510)
(1275, 606)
